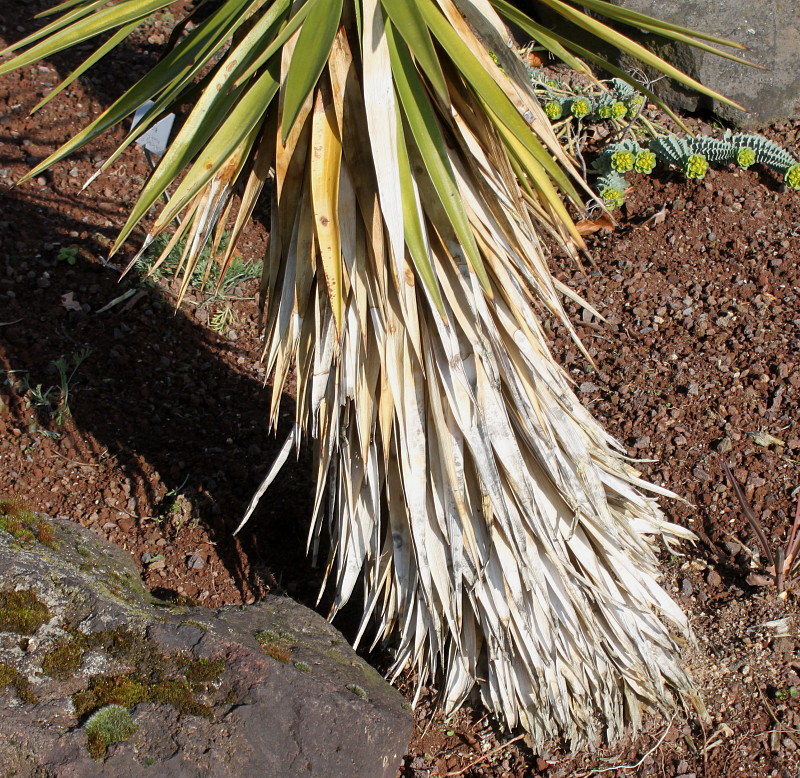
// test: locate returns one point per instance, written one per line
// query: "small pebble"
(723, 445)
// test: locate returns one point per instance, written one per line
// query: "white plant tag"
(155, 140)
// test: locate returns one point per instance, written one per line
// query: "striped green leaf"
(313, 48)
(108, 46)
(494, 97)
(412, 223)
(407, 18)
(427, 135)
(81, 30)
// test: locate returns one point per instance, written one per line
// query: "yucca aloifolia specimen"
(500, 536)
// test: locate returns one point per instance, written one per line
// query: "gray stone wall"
(771, 31)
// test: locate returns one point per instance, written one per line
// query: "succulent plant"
(695, 166)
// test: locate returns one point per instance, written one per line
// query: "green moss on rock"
(204, 670)
(21, 685)
(62, 662)
(111, 724)
(22, 524)
(277, 645)
(22, 612)
(130, 690)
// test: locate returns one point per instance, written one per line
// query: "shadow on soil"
(155, 393)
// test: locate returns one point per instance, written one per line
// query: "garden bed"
(166, 439)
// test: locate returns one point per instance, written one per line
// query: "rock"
(723, 445)
(771, 31)
(732, 547)
(267, 689)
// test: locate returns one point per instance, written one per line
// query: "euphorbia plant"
(500, 536)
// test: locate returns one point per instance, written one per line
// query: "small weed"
(224, 319)
(111, 724)
(787, 694)
(206, 273)
(783, 565)
(65, 378)
(68, 254)
(54, 400)
(303, 667)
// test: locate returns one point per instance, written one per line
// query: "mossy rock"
(249, 687)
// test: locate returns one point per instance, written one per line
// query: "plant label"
(155, 140)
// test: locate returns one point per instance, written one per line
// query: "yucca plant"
(500, 536)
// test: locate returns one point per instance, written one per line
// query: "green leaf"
(493, 96)
(407, 18)
(286, 33)
(414, 236)
(53, 26)
(621, 42)
(245, 115)
(65, 6)
(110, 44)
(428, 137)
(81, 30)
(313, 48)
(644, 22)
(172, 73)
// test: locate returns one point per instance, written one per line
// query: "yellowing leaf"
(326, 157)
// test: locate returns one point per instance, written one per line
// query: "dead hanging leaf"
(69, 302)
(764, 439)
(590, 226)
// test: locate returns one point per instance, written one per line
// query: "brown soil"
(167, 437)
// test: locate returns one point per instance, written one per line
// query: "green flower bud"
(635, 103)
(552, 84)
(792, 177)
(696, 166)
(618, 110)
(745, 156)
(604, 111)
(623, 161)
(612, 197)
(645, 162)
(553, 110)
(580, 107)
